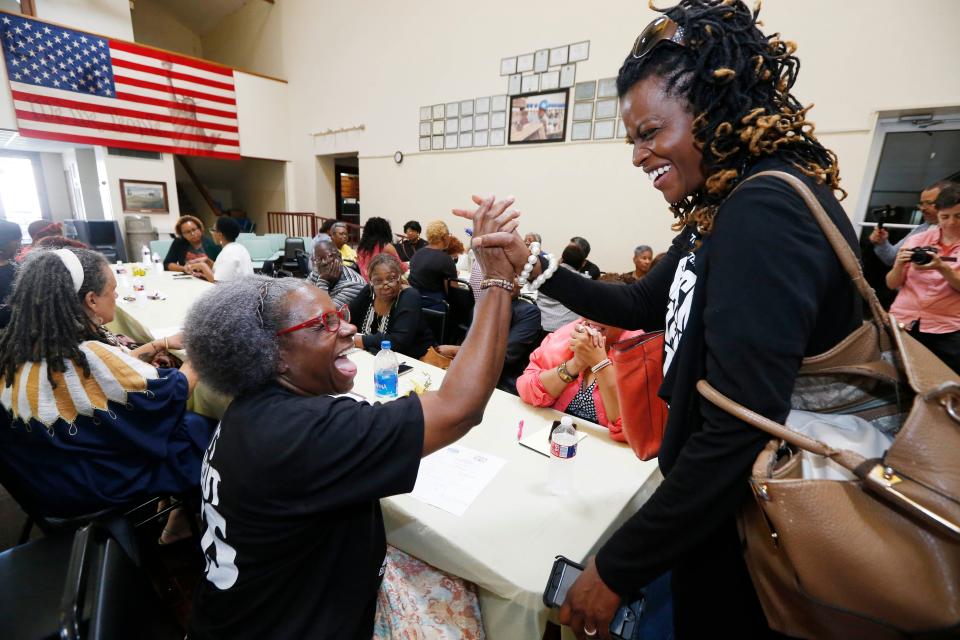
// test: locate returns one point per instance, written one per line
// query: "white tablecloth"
(143, 321)
(507, 539)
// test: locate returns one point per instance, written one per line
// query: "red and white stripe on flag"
(77, 87)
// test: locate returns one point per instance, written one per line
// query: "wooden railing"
(293, 223)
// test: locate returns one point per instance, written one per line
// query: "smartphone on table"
(403, 368)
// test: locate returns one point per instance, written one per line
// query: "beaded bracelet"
(600, 366)
(547, 274)
(496, 282)
(528, 268)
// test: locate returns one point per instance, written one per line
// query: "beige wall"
(154, 25)
(377, 66)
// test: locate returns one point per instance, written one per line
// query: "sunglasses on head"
(660, 30)
(330, 321)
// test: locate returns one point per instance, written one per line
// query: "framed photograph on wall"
(568, 75)
(141, 196)
(606, 108)
(581, 130)
(466, 124)
(585, 90)
(541, 60)
(538, 117)
(582, 111)
(480, 138)
(425, 128)
(579, 51)
(481, 105)
(425, 113)
(498, 120)
(603, 129)
(550, 80)
(453, 109)
(450, 141)
(437, 111)
(514, 84)
(438, 127)
(437, 143)
(481, 122)
(621, 129)
(466, 140)
(508, 66)
(497, 138)
(530, 84)
(525, 63)
(498, 103)
(425, 144)
(452, 125)
(607, 88)
(466, 107)
(559, 55)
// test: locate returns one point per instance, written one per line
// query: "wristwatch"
(564, 374)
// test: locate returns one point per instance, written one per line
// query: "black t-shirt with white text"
(293, 532)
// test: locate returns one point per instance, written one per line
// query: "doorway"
(347, 183)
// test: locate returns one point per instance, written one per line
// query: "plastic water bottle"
(563, 454)
(157, 260)
(385, 370)
(145, 257)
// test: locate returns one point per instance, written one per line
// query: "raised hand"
(494, 224)
(488, 231)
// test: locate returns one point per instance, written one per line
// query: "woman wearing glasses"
(387, 310)
(749, 287)
(291, 482)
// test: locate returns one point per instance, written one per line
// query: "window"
(18, 192)
(908, 153)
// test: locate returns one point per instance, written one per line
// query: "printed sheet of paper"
(453, 477)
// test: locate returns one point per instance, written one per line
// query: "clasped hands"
(588, 345)
(496, 244)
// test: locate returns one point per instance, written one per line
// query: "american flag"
(77, 87)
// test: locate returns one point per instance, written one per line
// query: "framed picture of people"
(538, 117)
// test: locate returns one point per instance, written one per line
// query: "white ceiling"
(200, 16)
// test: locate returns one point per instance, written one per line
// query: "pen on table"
(520, 430)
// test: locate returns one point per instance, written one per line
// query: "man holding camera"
(927, 273)
(880, 238)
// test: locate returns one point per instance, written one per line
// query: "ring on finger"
(589, 631)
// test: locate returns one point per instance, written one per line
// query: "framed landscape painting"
(140, 196)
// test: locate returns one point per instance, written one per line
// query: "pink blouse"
(925, 295)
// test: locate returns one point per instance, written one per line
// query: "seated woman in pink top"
(929, 299)
(570, 371)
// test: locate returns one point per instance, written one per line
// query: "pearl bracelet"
(528, 268)
(547, 274)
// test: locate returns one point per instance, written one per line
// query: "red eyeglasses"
(330, 321)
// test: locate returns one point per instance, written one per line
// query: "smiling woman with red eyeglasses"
(291, 482)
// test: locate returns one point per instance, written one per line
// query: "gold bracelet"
(565, 375)
(166, 344)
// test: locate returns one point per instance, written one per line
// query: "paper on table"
(538, 441)
(453, 477)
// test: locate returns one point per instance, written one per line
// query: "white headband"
(72, 263)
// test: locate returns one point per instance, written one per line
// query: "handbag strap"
(844, 457)
(851, 264)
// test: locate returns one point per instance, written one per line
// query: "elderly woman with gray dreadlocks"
(749, 287)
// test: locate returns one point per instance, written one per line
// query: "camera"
(924, 255)
(884, 213)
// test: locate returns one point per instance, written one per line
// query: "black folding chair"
(437, 321)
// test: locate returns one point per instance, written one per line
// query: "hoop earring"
(98, 321)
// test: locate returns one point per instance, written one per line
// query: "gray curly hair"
(230, 332)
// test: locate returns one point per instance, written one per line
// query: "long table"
(506, 540)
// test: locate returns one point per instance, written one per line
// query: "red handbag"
(638, 362)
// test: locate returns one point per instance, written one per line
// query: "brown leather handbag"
(875, 557)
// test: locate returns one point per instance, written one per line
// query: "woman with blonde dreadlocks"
(749, 287)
